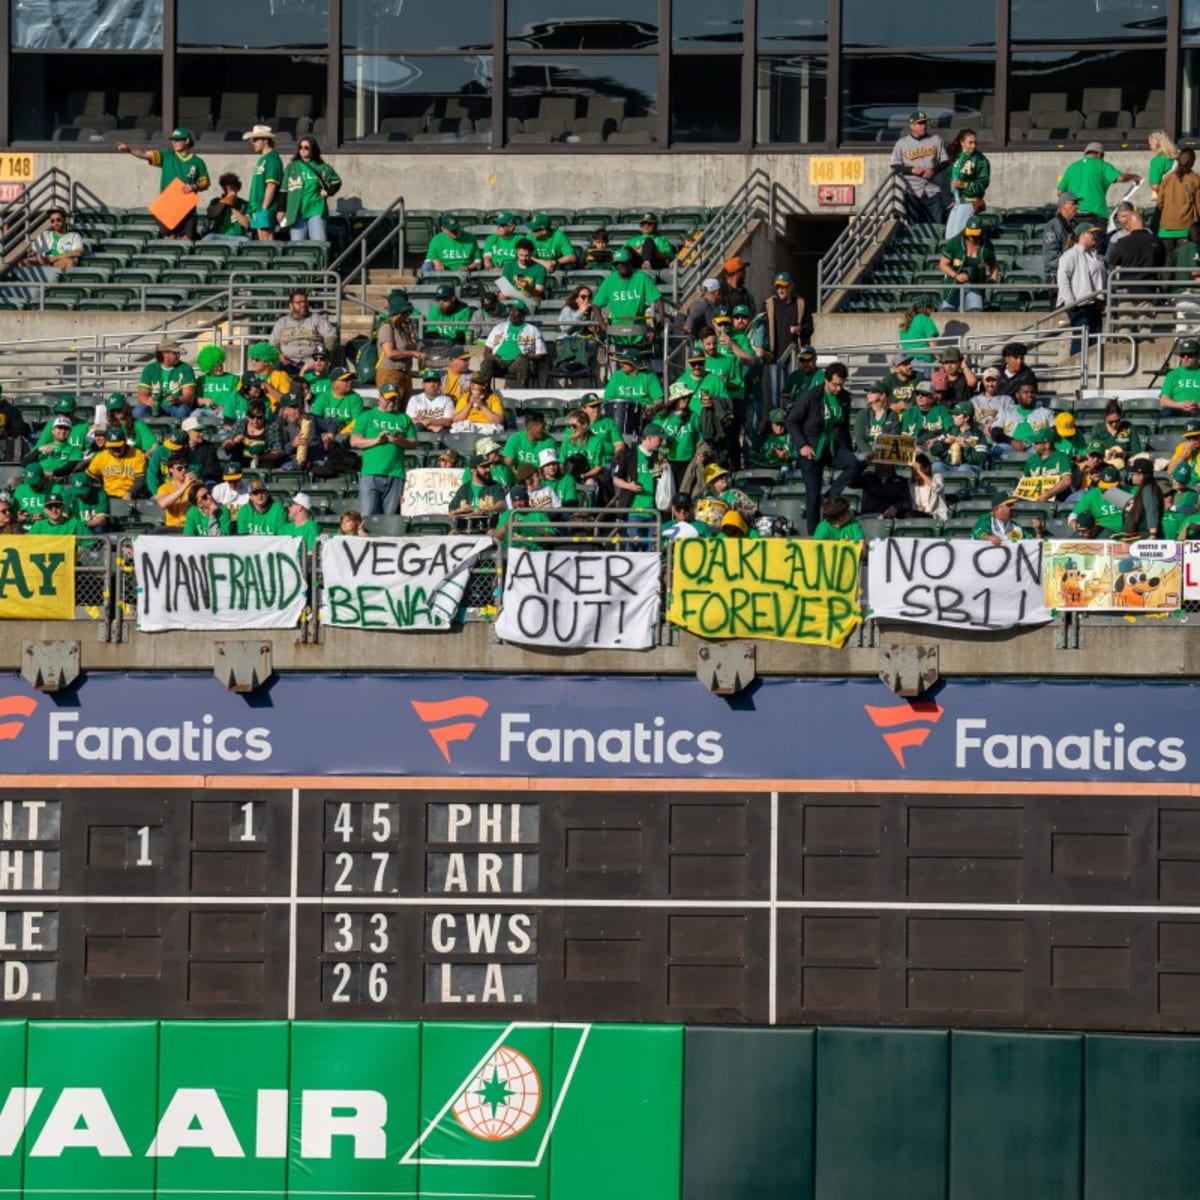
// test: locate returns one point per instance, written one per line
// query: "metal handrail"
(354, 274)
(865, 232)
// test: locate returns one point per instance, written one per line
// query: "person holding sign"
(816, 423)
(1054, 472)
(998, 525)
(873, 421)
(177, 162)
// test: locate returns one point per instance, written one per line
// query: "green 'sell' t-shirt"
(384, 459)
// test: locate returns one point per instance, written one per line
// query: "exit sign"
(834, 194)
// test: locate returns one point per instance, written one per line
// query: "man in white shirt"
(515, 349)
(430, 409)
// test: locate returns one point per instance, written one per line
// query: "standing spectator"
(1089, 178)
(57, 246)
(1081, 283)
(264, 182)
(15, 432)
(1181, 388)
(630, 390)
(515, 348)
(816, 423)
(180, 162)
(970, 174)
(703, 308)
(917, 329)
(227, 219)
(524, 448)
(958, 381)
(300, 333)
(500, 248)
(649, 248)
(1057, 234)
(1137, 252)
(626, 296)
(1178, 207)
(788, 324)
(399, 351)
(382, 435)
(1164, 152)
(451, 249)
(1143, 514)
(919, 157)
(308, 183)
(967, 258)
(167, 385)
(733, 285)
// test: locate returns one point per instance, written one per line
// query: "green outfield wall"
(463, 1111)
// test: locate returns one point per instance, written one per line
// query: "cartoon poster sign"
(1128, 577)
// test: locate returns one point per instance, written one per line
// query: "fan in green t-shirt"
(177, 162)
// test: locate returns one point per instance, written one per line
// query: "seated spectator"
(58, 456)
(1054, 472)
(1025, 418)
(9, 525)
(1143, 515)
(350, 524)
(301, 521)
(578, 313)
(524, 526)
(602, 425)
(927, 490)
(137, 432)
(168, 385)
(216, 388)
(264, 362)
(320, 375)
(958, 381)
(1091, 466)
(233, 489)
(206, 518)
(682, 523)
(337, 409)
(429, 409)
(56, 521)
(650, 249)
(448, 318)
(500, 248)
(551, 247)
(681, 426)
(884, 493)
(120, 468)
(584, 453)
(262, 514)
(228, 221)
(523, 278)
(1068, 439)
(776, 449)
(157, 472)
(1081, 283)
(1181, 517)
(1186, 454)
(300, 333)
(479, 497)
(928, 419)
(872, 421)
(1057, 234)
(1013, 370)
(515, 349)
(29, 496)
(451, 249)
(299, 437)
(838, 523)
(998, 525)
(201, 453)
(1180, 391)
(1095, 502)
(524, 447)
(734, 525)
(486, 315)
(175, 497)
(556, 480)
(964, 448)
(57, 246)
(89, 503)
(481, 410)
(967, 258)
(456, 382)
(254, 441)
(598, 252)
(991, 404)
(901, 382)
(489, 448)
(14, 430)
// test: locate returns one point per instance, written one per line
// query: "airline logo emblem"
(502, 1099)
(14, 712)
(905, 726)
(450, 721)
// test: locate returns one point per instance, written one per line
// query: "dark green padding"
(1016, 1119)
(1142, 1115)
(882, 1114)
(748, 1113)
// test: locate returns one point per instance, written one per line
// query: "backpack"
(366, 357)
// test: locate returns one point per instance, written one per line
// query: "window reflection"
(706, 98)
(261, 24)
(413, 98)
(398, 25)
(934, 23)
(701, 24)
(784, 24)
(74, 25)
(1087, 20)
(790, 100)
(583, 25)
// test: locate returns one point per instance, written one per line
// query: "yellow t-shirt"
(118, 474)
(175, 514)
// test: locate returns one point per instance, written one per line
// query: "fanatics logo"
(918, 715)
(20, 707)
(462, 713)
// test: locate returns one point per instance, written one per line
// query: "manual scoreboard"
(475, 902)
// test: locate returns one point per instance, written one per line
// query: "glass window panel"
(1088, 20)
(85, 25)
(222, 95)
(585, 98)
(933, 23)
(784, 24)
(879, 91)
(395, 25)
(790, 101)
(1082, 95)
(583, 25)
(706, 98)
(1191, 18)
(413, 98)
(72, 98)
(253, 24)
(1189, 94)
(701, 24)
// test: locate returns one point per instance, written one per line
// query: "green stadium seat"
(63, 298)
(386, 525)
(431, 525)
(915, 527)
(166, 299)
(185, 275)
(595, 217)
(113, 299)
(91, 274)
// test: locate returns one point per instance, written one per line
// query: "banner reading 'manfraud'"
(591, 727)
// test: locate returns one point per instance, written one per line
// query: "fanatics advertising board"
(594, 727)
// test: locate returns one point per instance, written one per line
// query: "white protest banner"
(958, 584)
(1191, 571)
(396, 583)
(219, 583)
(428, 491)
(601, 600)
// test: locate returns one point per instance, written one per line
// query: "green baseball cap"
(34, 473)
(1182, 474)
(114, 402)
(1043, 437)
(539, 221)
(742, 310)
(182, 134)
(777, 416)
(431, 376)
(621, 255)
(1095, 448)
(964, 408)
(64, 405)
(505, 218)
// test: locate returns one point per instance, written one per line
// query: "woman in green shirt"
(970, 174)
(917, 327)
(307, 183)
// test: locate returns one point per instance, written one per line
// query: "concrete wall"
(488, 181)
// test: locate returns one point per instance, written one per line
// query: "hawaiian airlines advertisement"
(606, 728)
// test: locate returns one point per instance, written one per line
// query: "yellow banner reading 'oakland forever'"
(37, 578)
(775, 588)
